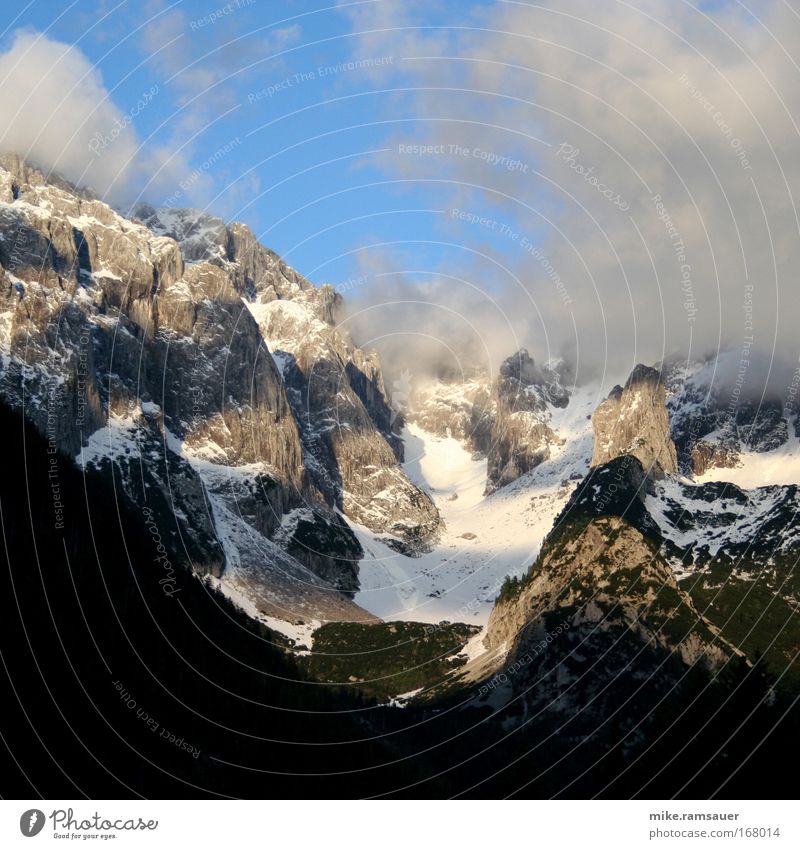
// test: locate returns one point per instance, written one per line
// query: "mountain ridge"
(208, 378)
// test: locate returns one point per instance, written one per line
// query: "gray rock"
(521, 437)
(506, 420)
(712, 425)
(113, 330)
(633, 420)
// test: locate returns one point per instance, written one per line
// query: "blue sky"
(547, 129)
(290, 166)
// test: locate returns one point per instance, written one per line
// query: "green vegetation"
(386, 659)
(753, 616)
(510, 589)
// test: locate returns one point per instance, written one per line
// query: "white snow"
(301, 634)
(780, 466)
(461, 577)
(116, 439)
(402, 699)
(474, 647)
(673, 503)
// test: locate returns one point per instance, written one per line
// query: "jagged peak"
(643, 374)
(634, 420)
(520, 366)
(25, 173)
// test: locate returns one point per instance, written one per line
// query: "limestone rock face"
(709, 454)
(105, 313)
(338, 398)
(713, 423)
(609, 565)
(509, 419)
(600, 605)
(251, 268)
(521, 437)
(461, 409)
(134, 342)
(633, 420)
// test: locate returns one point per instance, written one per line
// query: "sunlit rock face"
(174, 342)
(507, 419)
(633, 420)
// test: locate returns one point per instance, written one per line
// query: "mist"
(59, 115)
(615, 182)
(628, 174)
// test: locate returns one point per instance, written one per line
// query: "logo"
(31, 822)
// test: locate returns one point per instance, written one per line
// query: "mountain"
(633, 420)
(651, 647)
(112, 686)
(210, 380)
(507, 418)
(646, 574)
(714, 424)
(519, 552)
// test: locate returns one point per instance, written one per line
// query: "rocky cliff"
(600, 623)
(633, 420)
(142, 345)
(335, 389)
(644, 577)
(461, 409)
(713, 424)
(522, 436)
(508, 419)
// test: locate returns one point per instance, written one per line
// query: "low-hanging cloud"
(58, 114)
(642, 157)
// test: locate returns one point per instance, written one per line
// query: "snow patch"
(485, 538)
(781, 466)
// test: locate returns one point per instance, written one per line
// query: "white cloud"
(657, 98)
(56, 109)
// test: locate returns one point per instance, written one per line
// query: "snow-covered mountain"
(486, 536)
(716, 426)
(209, 378)
(507, 418)
(212, 382)
(645, 566)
